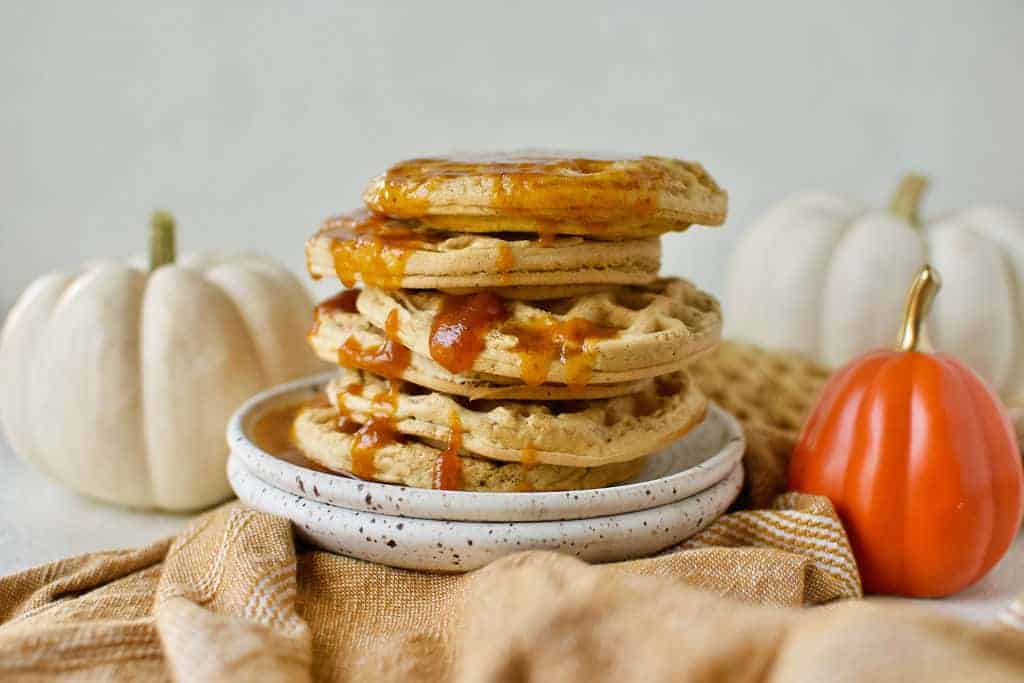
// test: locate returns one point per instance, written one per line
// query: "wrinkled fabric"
(235, 598)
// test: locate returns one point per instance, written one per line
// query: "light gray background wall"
(252, 123)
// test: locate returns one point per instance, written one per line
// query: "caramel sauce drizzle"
(528, 456)
(344, 301)
(448, 468)
(539, 341)
(389, 359)
(505, 260)
(458, 329)
(373, 248)
(516, 179)
(547, 233)
(379, 431)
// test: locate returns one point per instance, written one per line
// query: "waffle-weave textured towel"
(232, 599)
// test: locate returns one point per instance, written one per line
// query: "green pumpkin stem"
(907, 199)
(919, 302)
(161, 239)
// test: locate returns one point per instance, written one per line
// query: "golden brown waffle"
(573, 434)
(545, 193)
(392, 254)
(334, 327)
(413, 462)
(657, 328)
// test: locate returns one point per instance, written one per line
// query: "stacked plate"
(680, 490)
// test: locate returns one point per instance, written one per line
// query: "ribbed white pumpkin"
(119, 382)
(824, 275)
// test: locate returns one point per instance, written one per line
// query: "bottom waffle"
(570, 433)
(414, 463)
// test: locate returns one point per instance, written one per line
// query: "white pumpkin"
(119, 382)
(826, 276)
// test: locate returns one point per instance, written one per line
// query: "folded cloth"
(234, 598)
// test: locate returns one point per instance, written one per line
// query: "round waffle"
(573, 434)
(413, 462)
(620, 335)
(393, 254)
(545, 193)
(333, 327)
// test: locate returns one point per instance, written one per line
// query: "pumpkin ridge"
(944, 460)
(997, 536)
(252, 334)
(966, 381)
(867, 469)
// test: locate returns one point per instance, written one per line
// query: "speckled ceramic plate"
(699, 460)
(436, 545)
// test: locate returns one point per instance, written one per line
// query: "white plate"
(436, 545)
(699, 460)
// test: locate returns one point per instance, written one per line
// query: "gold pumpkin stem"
(919, 303)
(161, 239)
(907, 199)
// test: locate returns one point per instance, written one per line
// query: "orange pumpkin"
(920, 460)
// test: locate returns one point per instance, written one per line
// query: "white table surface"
(42, 521)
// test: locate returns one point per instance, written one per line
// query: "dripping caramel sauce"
(380, 430)
(344, 301)
(389, 359)
(505, 260)
(373, 248)
(528, 456)
(540, 341)
(458, 328)
(448, 468)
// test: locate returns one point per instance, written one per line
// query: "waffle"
(580, 434)
(538, 192)
(389, 254)
(535, 293)
(656, 329)
(334, 327)
(412, 462)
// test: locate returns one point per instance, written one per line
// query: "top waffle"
(545, 193)
(623, 334)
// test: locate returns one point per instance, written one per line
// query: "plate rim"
(620, 526)
(371, 496)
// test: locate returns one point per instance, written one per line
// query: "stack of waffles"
(509, 331)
